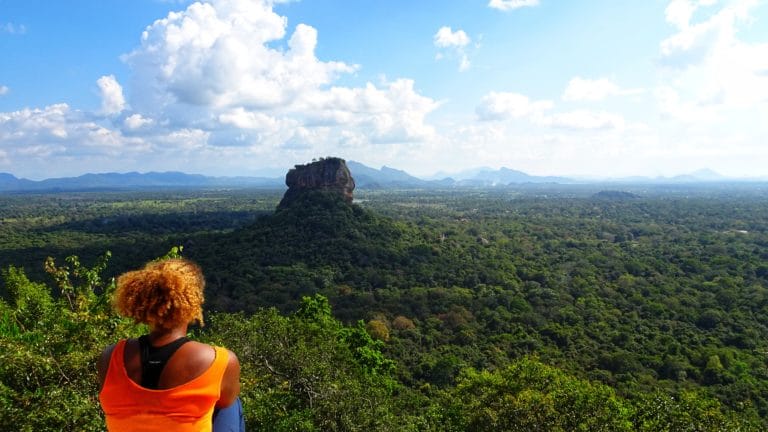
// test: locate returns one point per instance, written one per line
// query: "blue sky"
(601, 88)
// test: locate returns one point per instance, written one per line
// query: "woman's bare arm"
(230, 384)
(102, 364)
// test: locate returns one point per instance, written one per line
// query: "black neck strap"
(153, 359)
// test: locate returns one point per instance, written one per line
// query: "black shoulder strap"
(153, 359)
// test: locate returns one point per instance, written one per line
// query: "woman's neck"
(159, 336)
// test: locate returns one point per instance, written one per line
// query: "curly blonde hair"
(162, 294)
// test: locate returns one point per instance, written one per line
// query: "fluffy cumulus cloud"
(32, 138)
(4, 90)
(136, 121)
(216, 55)
(218, 84)
(506, 5)
(218, 66)
(50, 123)
(395, 113)
(112, 99)
(58, 140)
(447, 38)
(452, 44)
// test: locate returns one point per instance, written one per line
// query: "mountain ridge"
(365, 177)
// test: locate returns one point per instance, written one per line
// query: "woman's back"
(161, 382)
(187, 363)
(178, 404)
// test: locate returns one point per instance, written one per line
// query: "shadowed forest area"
(534, 308)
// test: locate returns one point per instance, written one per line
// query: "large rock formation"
(329, 174)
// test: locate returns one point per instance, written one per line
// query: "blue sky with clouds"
(236, 87)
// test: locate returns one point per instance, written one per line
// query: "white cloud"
(693, 42)
(26, 125)
(393, 114)
(447, 38)
(712, 93)
(112, 100)
(581, 89)
(136, 121)
(503, 106)
(4, 90)
(214, 66)
(58, 140)
(58, 131)
(679, 12)
(218, 55)
(185, 140)
(243, 119)
(697, 42)
(707, 68)
(222, 83)
(506, 5)
(452, 44)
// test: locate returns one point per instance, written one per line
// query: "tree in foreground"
(528, 395)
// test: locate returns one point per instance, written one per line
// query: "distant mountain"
(7, 180)
(702, 175)
(505, 176)
(10, 182)
(488, 177)
(365, 178)
(461, 175)
(132, 180)
(118, 180)
(699, 176)
(372, 178)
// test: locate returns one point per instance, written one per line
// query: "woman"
(162, 381)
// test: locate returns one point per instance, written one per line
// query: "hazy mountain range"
(365, 178)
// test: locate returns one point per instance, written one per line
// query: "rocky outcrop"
(329, 174)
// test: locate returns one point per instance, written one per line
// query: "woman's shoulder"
(212, 357)
(198, 354)
(102, 364)
(231, 357)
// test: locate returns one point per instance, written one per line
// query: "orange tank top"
(184, 408)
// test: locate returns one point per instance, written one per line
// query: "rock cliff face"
(329, 174)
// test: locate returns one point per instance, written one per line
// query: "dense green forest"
(541, 308)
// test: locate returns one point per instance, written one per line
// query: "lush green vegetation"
(541, 309)
(135, 226)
